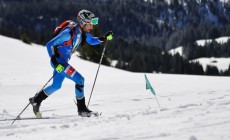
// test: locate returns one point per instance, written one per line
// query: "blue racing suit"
(57, 45)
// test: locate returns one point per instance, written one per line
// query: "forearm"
(92, 40)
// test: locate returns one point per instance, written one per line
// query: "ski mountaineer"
(60, 49)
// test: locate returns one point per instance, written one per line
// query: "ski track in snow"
(192, 107)
(180, 121)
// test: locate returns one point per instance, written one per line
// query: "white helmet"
(85, 16)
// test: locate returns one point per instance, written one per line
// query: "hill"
(191, 106)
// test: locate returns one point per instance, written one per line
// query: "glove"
(58, 67)
(107, 36)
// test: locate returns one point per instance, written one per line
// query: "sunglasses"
(94, 21)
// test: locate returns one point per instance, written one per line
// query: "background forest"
(145, 30)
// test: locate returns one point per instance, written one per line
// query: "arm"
(58, 40)
(92, 40)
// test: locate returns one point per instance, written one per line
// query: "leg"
(36, 102)
(75, 76)
(44, 93)
(56, 85)
(72, 74)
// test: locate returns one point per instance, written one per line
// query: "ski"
(20, 114)
(96, 114)
(28, 118)
(93, 113)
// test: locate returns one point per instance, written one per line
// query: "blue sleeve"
(58, 40)
(92, 40)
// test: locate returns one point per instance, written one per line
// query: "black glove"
(107, 36)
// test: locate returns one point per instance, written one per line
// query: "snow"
(178, 50)
(220, 40)
(198, 1)
(220, 63)
(225, 1)
(114, 63)
(192, 107)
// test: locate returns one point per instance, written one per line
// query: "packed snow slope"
(191, 107)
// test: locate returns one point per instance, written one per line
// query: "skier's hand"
(59, 68)
(107, 36)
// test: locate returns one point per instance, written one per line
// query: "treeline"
(135, 57)
(155, 23)
(210, 49)
(144, 31)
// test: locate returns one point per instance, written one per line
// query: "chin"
(87, 31)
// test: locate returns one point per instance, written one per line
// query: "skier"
(60, 49)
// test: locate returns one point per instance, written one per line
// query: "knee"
(79, 87)
(80, 80)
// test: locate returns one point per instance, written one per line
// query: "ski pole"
(35, 95)
(97, 72)
(48, 81)
(20, 113)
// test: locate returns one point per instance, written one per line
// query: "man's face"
(88, 27)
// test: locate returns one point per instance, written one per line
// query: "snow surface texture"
(192, 107)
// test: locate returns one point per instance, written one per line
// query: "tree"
(212, 70)
(25, 38)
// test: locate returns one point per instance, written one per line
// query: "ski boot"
(36, 102)
(82, 109)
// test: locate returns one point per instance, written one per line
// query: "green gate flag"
(148, 85)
